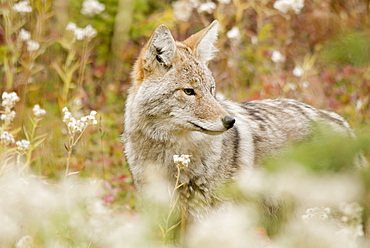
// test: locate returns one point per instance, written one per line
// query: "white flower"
(71, 26)
(24, 35)
(298, 71)
(359, 104)
(254, 40)
(82, 33)
(90, 32)
(292, 86)
(233, 34)
(32, 45)
(77, 126)
(38, 112)
(182, 10)
(352, 218)
(22, 7)
(208, 7)
(224, 1)
(9, 100)
(25, 242)
(277, 57)
(316, 213)
(79, 33)
(8, 116)
(194, 3)
(182, 160)
(23, 146)
(350, 209)
(92, 7)
(6, 138)
(289, 5)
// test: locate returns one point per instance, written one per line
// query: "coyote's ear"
(202, 43)
(160, 49)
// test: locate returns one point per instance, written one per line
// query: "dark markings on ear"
(158, 57)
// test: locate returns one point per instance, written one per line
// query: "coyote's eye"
(189, 92)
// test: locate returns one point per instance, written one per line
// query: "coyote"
(172, 109)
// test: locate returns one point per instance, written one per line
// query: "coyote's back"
(172, 109)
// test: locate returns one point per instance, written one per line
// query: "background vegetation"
(315, 51)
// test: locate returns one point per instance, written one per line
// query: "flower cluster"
(82, 33)
(207, 7)
(22, 7)
(32, 45)
(289, 5)
(316, 213)
(22, 146)
(224, 1)
(9, 100)
(181, 161)
(182, 10)
(38, 112)
(92, 7)
(24, 35)
(351, 218)
(77, 126)
(6, 138)
(298, 71)
(277, 57)
(233, 34)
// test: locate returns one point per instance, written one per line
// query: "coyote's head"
(173, 86)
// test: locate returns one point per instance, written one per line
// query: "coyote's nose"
(228, 122)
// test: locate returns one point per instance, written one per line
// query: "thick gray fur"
(162, 121)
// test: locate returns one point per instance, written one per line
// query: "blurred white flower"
(181, 160)
(9, 99)
(277, 57)
(24, 35)
(32, 45)
(92, 7)
(292, 86)
(305, 84)
(82, 33)
(224, 1)
(71, 26)
(79, 33)
(90, 32)
(352, 219)
(25, 242)
(289, 5)
(77, 126)
(22, 7)
(182, 10)
(208, 7)
(6, 138)
(22, 146)
(38, 112)
(359, 104)
(350, 209)
(316, 213)
(298, 71)
(8, 117)
(194, 3)
(254, 40)
(233, 34)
